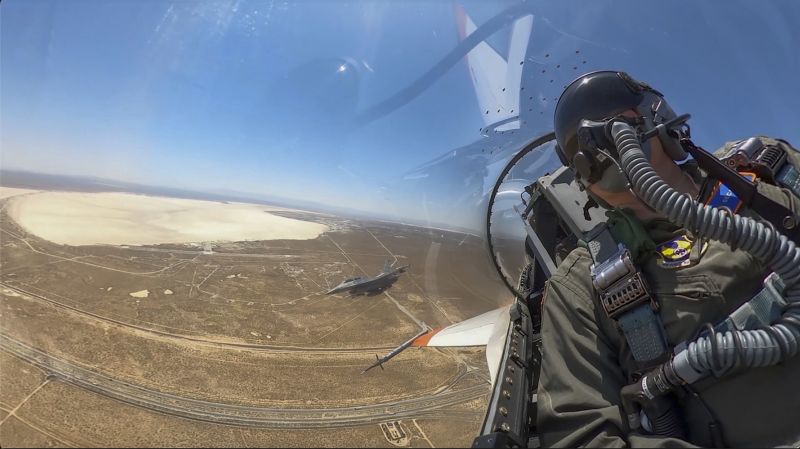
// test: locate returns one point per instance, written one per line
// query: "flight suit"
(586, 361)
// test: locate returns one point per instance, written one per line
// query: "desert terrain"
(131, 320)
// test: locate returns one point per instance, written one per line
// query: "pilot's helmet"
(598, 96)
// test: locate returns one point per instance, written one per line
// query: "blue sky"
(220, 94)
(260, 96)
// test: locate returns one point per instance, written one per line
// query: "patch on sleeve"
(677, 252)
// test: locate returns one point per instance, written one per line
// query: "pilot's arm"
(581, 377)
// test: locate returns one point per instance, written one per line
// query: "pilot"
(589, 356)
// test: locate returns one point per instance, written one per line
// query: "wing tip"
(424, 339)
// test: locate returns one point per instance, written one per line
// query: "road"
(239, 415)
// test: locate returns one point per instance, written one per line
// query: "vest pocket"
(686, 303)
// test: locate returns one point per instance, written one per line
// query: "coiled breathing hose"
(717, 353)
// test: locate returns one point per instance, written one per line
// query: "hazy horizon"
(84, 184)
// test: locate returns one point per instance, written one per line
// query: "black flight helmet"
(600, 96)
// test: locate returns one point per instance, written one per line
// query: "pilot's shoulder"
(777, 193)
(766, 140)
(573, 275)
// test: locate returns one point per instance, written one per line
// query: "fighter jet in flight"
(370, 285)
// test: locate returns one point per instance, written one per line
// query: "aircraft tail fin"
(496, 78)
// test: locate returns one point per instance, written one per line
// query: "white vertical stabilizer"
(496, 79)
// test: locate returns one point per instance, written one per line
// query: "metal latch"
(612, 269)
(625, 295)
(620, 284)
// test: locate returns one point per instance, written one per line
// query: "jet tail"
(495, 78)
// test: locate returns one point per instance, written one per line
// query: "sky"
(269, 97)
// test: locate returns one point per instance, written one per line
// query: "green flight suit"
(586, 360)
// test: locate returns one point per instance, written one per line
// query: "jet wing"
(489, 329)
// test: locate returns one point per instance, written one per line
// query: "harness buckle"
(620, 284)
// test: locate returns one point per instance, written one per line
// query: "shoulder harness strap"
(626, 299)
